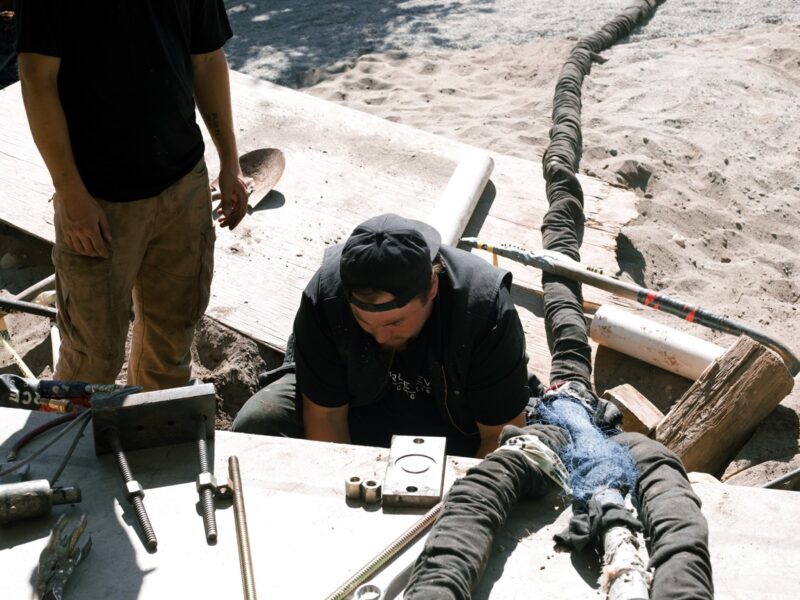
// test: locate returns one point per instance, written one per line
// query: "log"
(638, 413)
(710, 423)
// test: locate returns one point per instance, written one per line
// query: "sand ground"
(698, 112)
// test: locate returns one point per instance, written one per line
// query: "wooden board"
(714, 419)
(343, 166)
(638, 413)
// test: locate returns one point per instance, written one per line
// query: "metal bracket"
(415, 474)
(153, 418)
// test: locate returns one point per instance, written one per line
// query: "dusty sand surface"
(698, 112)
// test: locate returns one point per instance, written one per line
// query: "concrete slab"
(306, 540)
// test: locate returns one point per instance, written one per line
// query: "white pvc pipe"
(55, 344)
(653, 343)
(455, 207)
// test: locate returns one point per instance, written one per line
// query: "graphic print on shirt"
(422, 385)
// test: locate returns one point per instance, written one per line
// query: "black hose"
(21, 463)
(669, 510)
(790, 476)
(562, 226)
(10, 305)
(71, 449)
(34, 433)
(476, 506)
(674, 525)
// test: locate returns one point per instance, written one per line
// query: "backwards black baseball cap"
(391, 254)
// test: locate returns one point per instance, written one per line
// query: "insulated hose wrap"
(676, 529)
(460, 542)
(566, 330)
(562, 226)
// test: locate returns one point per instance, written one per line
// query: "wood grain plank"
(711, 422)
(342, 166)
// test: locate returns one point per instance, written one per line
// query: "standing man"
(110, 89)
(397, 334)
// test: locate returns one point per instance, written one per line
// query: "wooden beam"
(638, 413)
(717, 415)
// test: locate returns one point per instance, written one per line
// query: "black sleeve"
(210, 26)
(321, 372)
(497, 384)
(40, 26)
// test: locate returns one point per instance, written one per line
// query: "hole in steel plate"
(415, 463)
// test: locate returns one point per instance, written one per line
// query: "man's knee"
(271, 411)
(648, 453)
(78, 365)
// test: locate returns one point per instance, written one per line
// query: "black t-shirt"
(125, 83)
(407, 406)
(495, 389)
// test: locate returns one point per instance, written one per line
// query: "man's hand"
(81, 219)
(234, 190)
(490, 435)
(83, 223)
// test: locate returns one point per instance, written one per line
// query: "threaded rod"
(206, 495)
(138, 504)
(242, 537)
(384, 557)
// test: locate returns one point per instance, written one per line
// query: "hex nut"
(206, 481)
(367, 591)
(133, 488)
(370, 491)
(352, 488)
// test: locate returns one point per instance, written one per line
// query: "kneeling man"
(399, 334)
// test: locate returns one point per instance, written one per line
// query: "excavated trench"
(222, 356)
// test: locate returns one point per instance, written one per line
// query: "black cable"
(84, 417)
(71, 449)
(791, 475)
(34, 433)
(26, 460)
(121, 392)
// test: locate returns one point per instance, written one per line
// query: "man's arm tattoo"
(212, 121)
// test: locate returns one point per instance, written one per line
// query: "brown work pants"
(162, 259)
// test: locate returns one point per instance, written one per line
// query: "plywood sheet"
(343, 166)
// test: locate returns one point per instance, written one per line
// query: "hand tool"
(264, 167)
(29, 499)
(60, 557)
